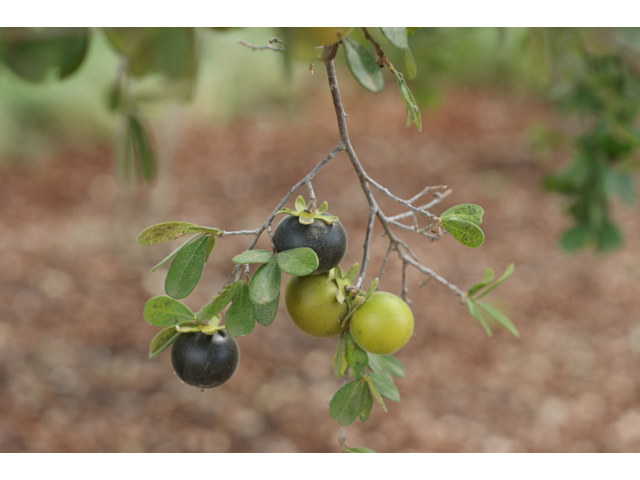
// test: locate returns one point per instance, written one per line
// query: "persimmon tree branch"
(405, 254)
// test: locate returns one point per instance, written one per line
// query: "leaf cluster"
(373, 379)
(481, 310)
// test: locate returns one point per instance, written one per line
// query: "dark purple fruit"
(328, 241)
(205, 361)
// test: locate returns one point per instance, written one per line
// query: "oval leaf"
(185, 271)
(163, 340)
(253, 256)
(396, 35)
(265, 284)
(466, 211)
(163, 232)
(467, 233)
(345, 404)
(239, 319)
(266, 314)
(298, 261)
(162, 311)
(363, 66)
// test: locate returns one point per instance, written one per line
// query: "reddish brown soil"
(74, 371)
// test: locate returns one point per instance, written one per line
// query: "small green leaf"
(466, 211)
(374, 391)
(174, 253)
(266, 314)
(487, 278)
(351, 274)
(211, 243)
(366, 403)
(163, 340)
(346, 403)
(499, 317)
(253, 256)
(322, 208)
(163, 232)
(265, 284)
(467, 233)
(412, 30)
(162, 311)
(397, 36)
(409, 64)
(212, 308)
(385, 386)
(386, 365)
(337, 358)
(298, 261)
(362, 65)
(506, 274)
(186, 268)
(413, 112)
(359, 450)
(477, 314)
(239, 319)
(189, 327)
(200, 229)
(372, 287)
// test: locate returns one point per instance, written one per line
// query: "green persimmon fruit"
(383, 324)
(328, 241)
(312, 305)
(205, 361)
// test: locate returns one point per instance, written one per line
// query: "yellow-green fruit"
(383, 324)
(312, 305)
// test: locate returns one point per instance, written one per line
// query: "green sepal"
(307, 217)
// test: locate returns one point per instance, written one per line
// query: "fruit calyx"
(307, 214)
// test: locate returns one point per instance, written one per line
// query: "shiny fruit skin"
(205, 361)
(383, 324)
(312, 305)
(328, 241)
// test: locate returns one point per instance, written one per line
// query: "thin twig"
(276, 48)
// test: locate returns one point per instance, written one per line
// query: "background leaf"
(163, 340)
(163, 232)
(162, 311)
(413, 112)
(139, 141)
(298, 261)
(265, 284)
(467, 233)
(362, 65)
(186, 268)
(239, 318)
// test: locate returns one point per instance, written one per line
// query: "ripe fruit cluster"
(381, 325)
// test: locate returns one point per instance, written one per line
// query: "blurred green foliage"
(134, 73)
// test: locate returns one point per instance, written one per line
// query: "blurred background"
(502, 125)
